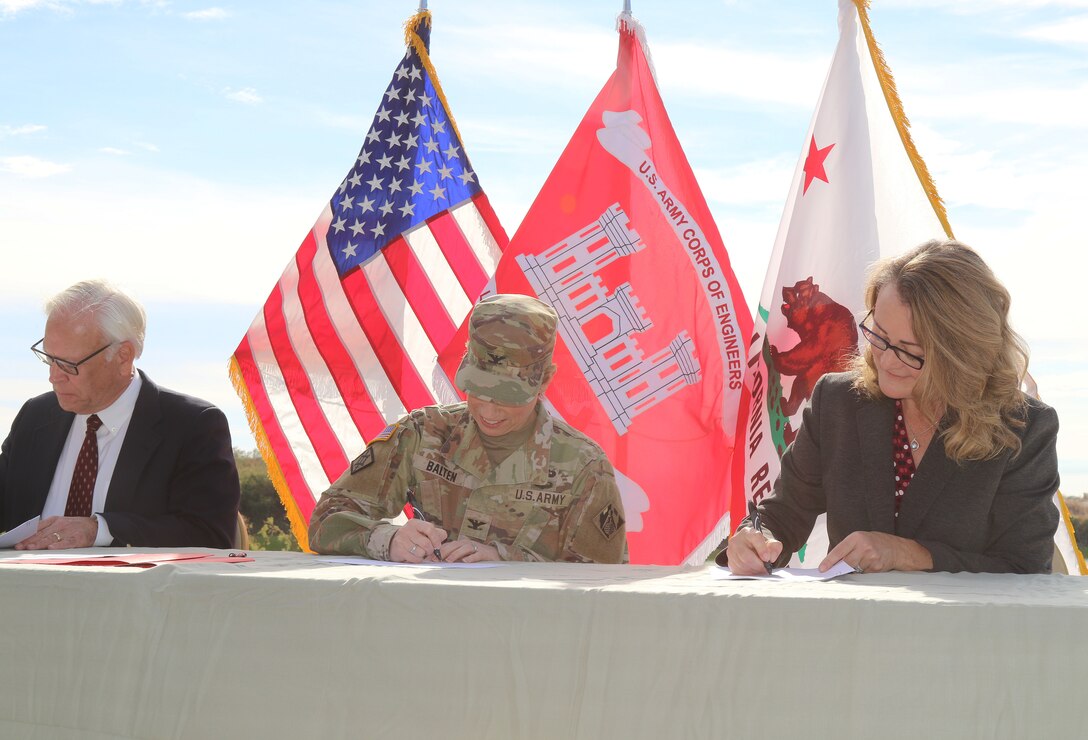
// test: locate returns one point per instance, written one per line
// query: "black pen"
(417, 513)
(757, 524)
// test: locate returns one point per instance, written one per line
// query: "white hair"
(117, 315)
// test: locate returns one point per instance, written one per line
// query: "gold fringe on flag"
(902, 125)
(299, 528)
(412, 38)
(1082, 567)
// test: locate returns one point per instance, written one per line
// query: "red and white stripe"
(328, 362)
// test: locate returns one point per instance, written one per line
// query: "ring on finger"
(56, 536)
(474, 548)
(413, 550)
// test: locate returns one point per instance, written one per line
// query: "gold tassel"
(411, 38)
(299, 528)
(895, 106)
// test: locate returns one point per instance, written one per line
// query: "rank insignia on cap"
(362, 461)
(385, 434)
(609, 521)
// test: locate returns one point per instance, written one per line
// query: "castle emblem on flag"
(599, 327)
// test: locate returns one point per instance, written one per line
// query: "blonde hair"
(975, 362)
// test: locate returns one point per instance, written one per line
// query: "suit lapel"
(143, 436)
(875, 436)
(48, 441)
(930, 480)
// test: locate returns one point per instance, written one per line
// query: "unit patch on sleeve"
(609, 521)
(362, 461)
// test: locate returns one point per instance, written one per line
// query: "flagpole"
(422, 5)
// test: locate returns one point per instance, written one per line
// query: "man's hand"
(62, 533)
(749, 550)
(876, 552)
(415, 542)
(467, 551)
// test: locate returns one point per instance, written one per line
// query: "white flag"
(860, 192)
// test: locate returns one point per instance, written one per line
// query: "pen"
(757, 523)
(417, 513)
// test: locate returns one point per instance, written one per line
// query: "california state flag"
(652, 325)
(860, 192)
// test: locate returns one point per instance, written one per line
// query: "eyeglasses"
(882, 344)
(72, 368)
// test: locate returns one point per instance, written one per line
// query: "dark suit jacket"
(175, 484)
(992, 516)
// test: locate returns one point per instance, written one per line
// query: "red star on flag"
(814, 163)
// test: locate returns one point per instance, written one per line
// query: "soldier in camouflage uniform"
(496, 478)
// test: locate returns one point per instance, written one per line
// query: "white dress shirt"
(111, 435)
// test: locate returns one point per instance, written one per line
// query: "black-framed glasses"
(72, 368)
(882, 344)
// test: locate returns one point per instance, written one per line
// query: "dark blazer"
(993, 516)
(175, 484)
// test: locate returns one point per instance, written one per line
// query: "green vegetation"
(266, 519)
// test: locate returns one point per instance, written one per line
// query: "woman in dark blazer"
(928, 456)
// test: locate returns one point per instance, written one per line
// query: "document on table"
(13, 537)
(353, 560)
(840, 568)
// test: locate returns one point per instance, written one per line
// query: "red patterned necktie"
(81, 491)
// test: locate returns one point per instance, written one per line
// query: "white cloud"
(11, 7)
(31, 128)
(971, 7)
(1068, 31)
(763, 182)
(208, 14)
(208, 241)
(1051, 107)
(146, 146)
(26, 166)
(247, 95)
(748, 75)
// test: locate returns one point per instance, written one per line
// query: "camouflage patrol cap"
(510, 343)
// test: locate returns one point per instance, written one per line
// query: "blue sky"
(184, 149)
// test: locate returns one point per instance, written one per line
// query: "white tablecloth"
(291, 647)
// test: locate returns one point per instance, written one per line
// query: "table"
(292, 647)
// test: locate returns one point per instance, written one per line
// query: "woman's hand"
(877, 552)
(748, 550)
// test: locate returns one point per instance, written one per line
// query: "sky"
(184, 149)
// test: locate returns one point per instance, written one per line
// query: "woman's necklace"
(914, 439)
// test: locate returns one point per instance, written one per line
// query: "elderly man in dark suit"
(108, 458)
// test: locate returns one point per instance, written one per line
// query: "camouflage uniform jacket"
(554, 499)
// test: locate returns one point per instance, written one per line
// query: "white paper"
(13, 537)
(352, 560)
(840, 568)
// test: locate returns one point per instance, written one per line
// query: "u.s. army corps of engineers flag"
(860, 192)
(652, 322)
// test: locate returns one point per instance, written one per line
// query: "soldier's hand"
(749, 550)
(415, 542)
(467, 551)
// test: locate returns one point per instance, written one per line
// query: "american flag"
(349, 337)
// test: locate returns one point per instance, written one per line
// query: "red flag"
(349, 337)
(652, 321)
